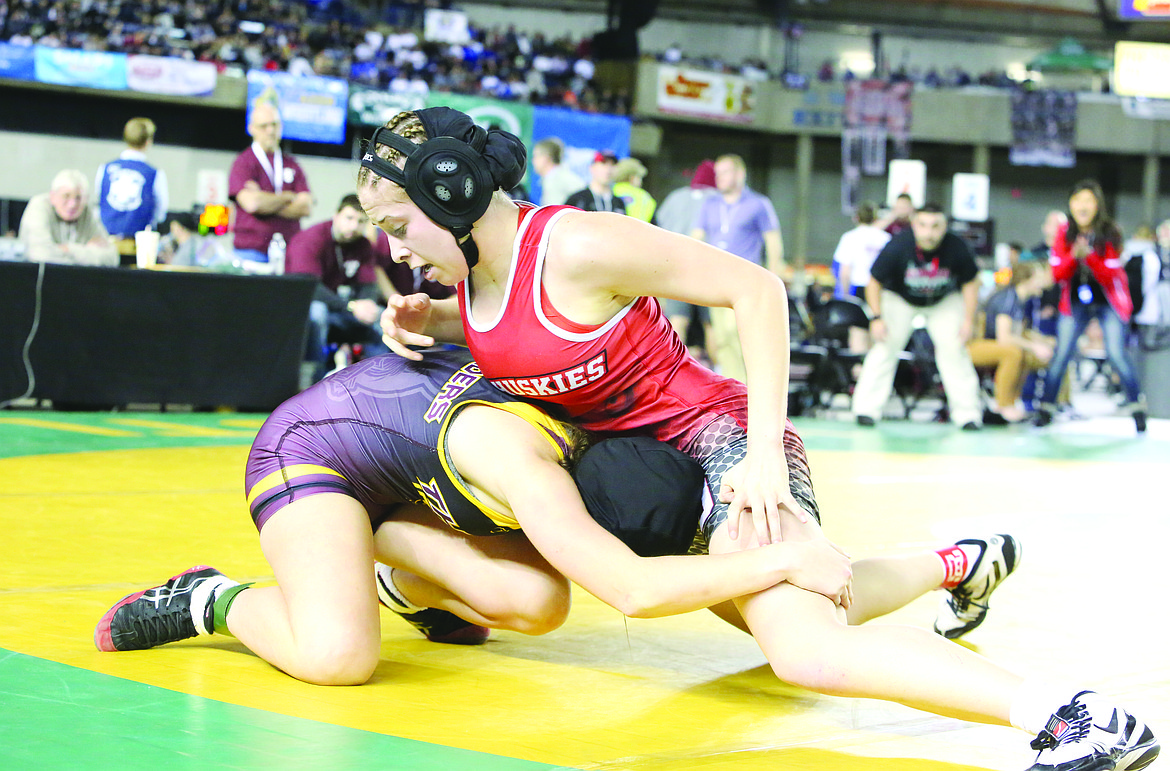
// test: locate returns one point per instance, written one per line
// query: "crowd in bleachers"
(329, 40)
(332, 39)
(757, 69)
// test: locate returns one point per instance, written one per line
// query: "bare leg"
(809, 645)
(497, 581)
(881, 585)
(320, 623)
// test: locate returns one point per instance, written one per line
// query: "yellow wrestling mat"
(95, 506)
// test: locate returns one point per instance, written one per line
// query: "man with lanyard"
(929, 272)
(343, 310)
(741, 221)
(269, 188)
(599, 195)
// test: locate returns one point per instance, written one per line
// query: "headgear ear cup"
(448, 177)
(449, 181)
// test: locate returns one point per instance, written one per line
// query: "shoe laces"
(162, 625)
(1069, 724)
(961, 602)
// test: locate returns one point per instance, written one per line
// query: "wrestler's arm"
(509, 462)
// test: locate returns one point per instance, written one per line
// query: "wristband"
(872, 319)
(349, 305)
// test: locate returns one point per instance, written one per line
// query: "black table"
(114, 336)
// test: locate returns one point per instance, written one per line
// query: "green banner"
(514, 117)
(373, 106)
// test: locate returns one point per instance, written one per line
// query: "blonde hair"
(405, 124)
(138, 132)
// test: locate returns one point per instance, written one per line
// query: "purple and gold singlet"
(376, 431)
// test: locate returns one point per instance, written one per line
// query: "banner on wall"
(875, 112)
(170, 75)
(87, 69)
(583, 134)
(513, 117)
(373, 106)
(906, 177)
(1044, 128)
(17, 62)
(445, 26)
(312, 109)
(971, 197)
(704, 94)
(1139, 69)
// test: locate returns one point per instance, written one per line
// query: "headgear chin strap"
(446, 177)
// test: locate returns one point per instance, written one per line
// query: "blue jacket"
(126, 197)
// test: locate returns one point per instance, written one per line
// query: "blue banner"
(89, 69)
(312, 109)
(583, 134)
(17, 62)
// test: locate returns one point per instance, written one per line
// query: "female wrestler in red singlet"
(555, 304)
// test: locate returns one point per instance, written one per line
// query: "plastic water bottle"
(276, 249)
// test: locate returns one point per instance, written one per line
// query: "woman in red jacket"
(1086, 264)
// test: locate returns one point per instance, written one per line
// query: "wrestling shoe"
(437, 625)
(964, 607)
(1088, 734)
(179, 609)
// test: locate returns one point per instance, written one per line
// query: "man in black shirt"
(599, 195)
(931, 272)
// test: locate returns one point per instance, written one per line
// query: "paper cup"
(146, 247)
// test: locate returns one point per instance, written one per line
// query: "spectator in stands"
(557, 181)
(268, 186)
(1140, 248)
(928, 271)
(898, 218)
(1053, 222)
(182, 244)
(678, 213)
(1093, 285)
(628, 176)
(1008, 345)
(60, 226)
(343, 310)
(741, 221)
(857, 250)
(598, 195)
(131, 193)
(1042, 310)
(1154, 267)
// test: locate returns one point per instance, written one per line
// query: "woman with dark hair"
(1086, 264)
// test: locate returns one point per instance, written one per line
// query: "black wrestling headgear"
(453, 174)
